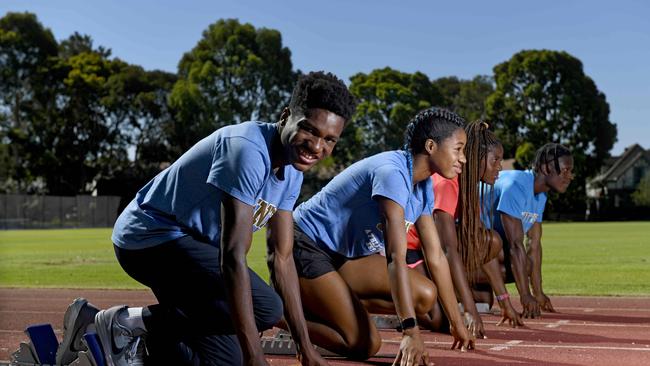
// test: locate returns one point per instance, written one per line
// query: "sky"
(438, 38)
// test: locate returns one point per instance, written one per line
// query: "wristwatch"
(407, 323)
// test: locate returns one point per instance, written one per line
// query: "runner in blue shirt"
(519, 201)
(350, 244)
(187, 232)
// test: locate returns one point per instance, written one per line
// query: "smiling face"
(491, 164)
(310, 137)
(559, 181)
(448, 157)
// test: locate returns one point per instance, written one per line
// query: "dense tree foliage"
(73, 119)
(641, 196)
(235, 73)
(465, 97)
(26, 52)
(388, 99)
(544, 96)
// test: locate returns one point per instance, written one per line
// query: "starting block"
(282, 344)
(386, 321)
(42, 347)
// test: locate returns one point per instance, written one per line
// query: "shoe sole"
(104, 325)
(65, 353)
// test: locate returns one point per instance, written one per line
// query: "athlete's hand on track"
(411, 350)
(256, 360)
(463, 340)
(474, 325)
(531, 307)
(312, 358)
(545, 303)
(508, 314)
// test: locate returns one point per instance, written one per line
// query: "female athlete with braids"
(342, 231)
(519, 200)
(469, 246)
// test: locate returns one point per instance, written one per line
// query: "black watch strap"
(408, 323)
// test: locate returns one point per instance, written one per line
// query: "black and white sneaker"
(122, 346)
(79, 315)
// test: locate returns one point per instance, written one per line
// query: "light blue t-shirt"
(345, 218)
(185, 198)
(514, 194)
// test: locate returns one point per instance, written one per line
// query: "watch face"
(408, 323)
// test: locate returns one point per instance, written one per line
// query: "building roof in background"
(621, 164)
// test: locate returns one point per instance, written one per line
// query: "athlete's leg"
(192, 322)
(336, 319)
(373, 287)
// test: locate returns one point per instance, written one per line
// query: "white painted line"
(30, 312)
(639, 309)
(527, 345)
(557, 324)
(505, 346)
(574, 324)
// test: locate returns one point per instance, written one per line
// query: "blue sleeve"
(512, 200)
(293, 191)
(541, 210)
(388, 181)
(429, 197)
(239, 168)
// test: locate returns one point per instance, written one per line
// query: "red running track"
(586, 331)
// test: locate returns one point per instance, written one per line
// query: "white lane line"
(557, 324)
(505, 346)
(646, 348)
(575, 324)
(589, 310)
(30, 312)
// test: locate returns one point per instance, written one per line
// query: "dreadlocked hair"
(473, 245)
(547, 154)
(325, 91)
(432, 123)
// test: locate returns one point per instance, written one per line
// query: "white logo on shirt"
(373, 244)
(529, 217)
(263, 212)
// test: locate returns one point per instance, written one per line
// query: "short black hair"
(548, 153)
(322, 90)
(432, 123)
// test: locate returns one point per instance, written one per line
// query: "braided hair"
(472, 244)
(549, 153)
(432, 123)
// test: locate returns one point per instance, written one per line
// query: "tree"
(235, 73)
(544, 96)
(465, 97)
(388, 99)
(26, 52)
(524, 155)
(641, 196)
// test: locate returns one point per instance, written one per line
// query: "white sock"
(132, 319)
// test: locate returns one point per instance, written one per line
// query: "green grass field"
(579, 259)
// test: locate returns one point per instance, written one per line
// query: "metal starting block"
(386, 321)
(282, 344)
(42, 346)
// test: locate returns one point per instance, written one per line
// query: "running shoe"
(79, 315)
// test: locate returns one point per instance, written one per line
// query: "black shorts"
(413, 256)
(311, 260)
(507, 263)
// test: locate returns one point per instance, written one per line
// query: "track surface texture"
(585, 331)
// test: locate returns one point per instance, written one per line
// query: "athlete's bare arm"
(519, 261)
(236, 223)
